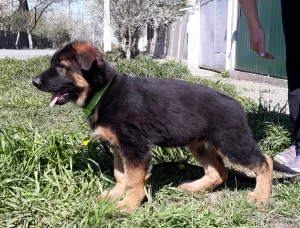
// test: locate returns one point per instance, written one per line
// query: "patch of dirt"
(215, 197)
(280, 223)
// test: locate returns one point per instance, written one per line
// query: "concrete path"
(24, 54)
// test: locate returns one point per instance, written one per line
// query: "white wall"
(193, 30)
(231, 34)
(224, 46)
(184, 36)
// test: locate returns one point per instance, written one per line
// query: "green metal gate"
(248, 60)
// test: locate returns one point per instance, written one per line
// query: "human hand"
(257, 43)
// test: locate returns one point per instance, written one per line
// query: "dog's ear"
(86, 56)
(87, 61)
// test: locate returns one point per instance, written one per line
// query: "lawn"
(51, 170)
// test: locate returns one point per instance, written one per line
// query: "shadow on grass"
(174, 173)
(99, 158)
(96, 157)
(162, 174)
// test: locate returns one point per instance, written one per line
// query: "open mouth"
(59, 97)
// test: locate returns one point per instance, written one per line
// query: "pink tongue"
(54, 98)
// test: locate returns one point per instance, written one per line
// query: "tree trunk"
(166, 42)
(128, 51)
(17, 40)
(152, 43)
(135, 45)
(30, 40)
(160, 42)
(150, 35)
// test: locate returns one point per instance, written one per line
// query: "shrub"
(218, 85)
(147, 67)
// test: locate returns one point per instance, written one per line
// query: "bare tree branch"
(36, 19)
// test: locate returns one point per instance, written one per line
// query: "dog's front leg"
(135, 175)
(136, 166)
(120, 186)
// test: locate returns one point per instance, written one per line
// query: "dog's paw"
(189, 186)
(105, 195)
(257, 198)
(127, 205)
(110, 195)
(116, 192)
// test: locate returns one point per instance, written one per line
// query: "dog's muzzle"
(36, 81)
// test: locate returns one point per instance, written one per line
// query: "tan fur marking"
(264, 176)
(81, 83)
(82, 47)
(87, 54)
(120, 186)
(66, 63)
(106, 134)
(215, 172)
(135, 182)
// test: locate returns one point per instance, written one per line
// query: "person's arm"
(257, 36)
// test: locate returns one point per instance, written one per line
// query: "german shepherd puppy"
(132, 114)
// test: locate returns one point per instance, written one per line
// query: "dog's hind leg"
(246, 152)
(264, 175)
(215, 171)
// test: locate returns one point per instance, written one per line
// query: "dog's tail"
(283, 169)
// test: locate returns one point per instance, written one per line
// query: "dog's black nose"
(36, 81)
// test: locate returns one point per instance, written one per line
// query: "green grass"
(49, 178)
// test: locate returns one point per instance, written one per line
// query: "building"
(213, 34)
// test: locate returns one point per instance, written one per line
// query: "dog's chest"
(105, 134)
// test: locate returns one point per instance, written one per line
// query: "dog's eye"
(60, 65)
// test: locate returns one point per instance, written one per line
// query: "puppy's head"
(74, 70)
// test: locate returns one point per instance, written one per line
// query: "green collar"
(95, 99)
